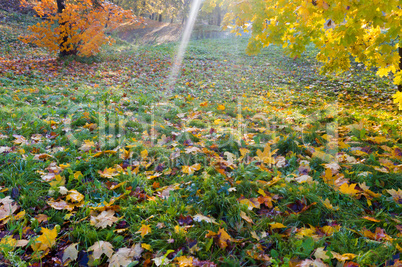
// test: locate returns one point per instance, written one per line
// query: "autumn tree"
(368, 31)
(75, 27)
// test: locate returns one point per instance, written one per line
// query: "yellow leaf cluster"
(341, 30)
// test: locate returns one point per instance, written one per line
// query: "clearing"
(248, 161)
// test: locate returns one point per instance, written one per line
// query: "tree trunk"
(160, 18)
(400, 65)
(218, 19)
(61, 5)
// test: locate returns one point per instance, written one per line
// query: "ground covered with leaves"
(245, 161)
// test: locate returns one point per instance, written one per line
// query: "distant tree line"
(173, 10)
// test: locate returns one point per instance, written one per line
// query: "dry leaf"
(60, 205)
(109, 173)
(222, 237)
(70, 253)
(8, 207)
(74, 196)
(200, 218)
(245, 217)
(104, 219)
(101, 247)
(123, 257)
(87, 145)
(184, 261)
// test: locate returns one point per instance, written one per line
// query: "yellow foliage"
(340, 29)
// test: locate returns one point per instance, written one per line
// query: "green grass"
(119, 101)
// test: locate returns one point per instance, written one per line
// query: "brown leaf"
(8, 207)
(104, 219)
(101, 247)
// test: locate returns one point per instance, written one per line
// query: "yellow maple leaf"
(180, 230)
(146, 246)
(251, 203)
(267, 155)
(396, 195)
(46, 240)
(57, 181)
(328, 204)
(144, 230)
(87, 145)
(328, 177)
(77, 175)
(74, 196)
(221, 107)
(277, 225)
(184, 261)
(191, 169)
(108, 173)
(144, 154)
(8, 241)
(222, 237)
(348, 189)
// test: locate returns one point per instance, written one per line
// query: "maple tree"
(75, 27)
(368, 31)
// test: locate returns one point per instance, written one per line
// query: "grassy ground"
(246, 161)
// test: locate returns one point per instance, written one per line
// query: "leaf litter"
(250, 161)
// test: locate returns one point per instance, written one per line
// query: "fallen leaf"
(8, 208)
(371, 219)
(267, 155)
(146, 246)
(46, 240)
(74, 196)
(184, 261)
(201, 218)
(191, 169)
(245, 217)
(70, 253)
(8, 240)
(144, 230)
(222, 237)
(60, 205)
(277, 226)
(104, 219)
(348, 189)
(144, 154)
(87, 145)
(101, 247)
(123, 257)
